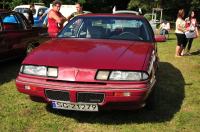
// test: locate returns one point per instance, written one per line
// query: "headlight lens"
(35, 70)
(121, 75)
(52, 72)
(39, 70)
(124, 75)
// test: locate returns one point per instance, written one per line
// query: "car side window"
(9, 18)
(11, 22)
(24, 21)
(41, 11)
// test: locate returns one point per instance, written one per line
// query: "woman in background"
(191, 27)
(180, 33)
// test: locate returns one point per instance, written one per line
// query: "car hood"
(91, 54)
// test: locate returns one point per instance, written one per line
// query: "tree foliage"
(170, 6)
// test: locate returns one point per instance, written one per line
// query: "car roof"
(28, 6)
(111, 15)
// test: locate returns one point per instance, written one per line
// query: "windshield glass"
(106, 28)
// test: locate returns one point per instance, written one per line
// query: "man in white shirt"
(164, 28)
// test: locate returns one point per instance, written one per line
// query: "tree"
(4, 4)
(144, 4)
(170, 7)
(15, 3)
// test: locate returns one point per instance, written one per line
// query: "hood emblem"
(76, 72)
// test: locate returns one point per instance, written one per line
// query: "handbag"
(190, 34)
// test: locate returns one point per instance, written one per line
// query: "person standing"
(191, 27)
(31, 12)
(180, 33)
(55, 19)
(79, 11)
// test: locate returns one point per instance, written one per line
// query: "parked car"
(39, 10)
(98, 61)
(17, 37)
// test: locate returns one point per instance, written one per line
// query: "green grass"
(177, 106)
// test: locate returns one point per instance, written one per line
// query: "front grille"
(90, 97)
(57, 95)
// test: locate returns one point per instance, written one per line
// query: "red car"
(98, 61)
(17, 37)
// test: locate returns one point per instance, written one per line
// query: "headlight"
(126, 76)
(121, 75)
(35, 70)
(102, 75)
(52, 72)
(39, 70)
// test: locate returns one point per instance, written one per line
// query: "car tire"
(151, 101)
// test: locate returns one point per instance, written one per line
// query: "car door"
(28, 34)
(3, 47)
(21, 35)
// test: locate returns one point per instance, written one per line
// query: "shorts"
(52, 34)
(182, 40)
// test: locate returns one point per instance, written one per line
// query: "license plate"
(74, 106)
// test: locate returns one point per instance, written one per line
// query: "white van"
(39, 10)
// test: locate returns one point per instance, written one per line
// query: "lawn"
(177, 102)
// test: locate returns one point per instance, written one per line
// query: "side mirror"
(160, 38)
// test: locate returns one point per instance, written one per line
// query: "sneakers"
(187, 53)
(182, 53)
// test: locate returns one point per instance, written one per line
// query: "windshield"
(106, 28)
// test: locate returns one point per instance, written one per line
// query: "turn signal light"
(126, 94)
(27, 87)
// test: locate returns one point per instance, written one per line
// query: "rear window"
(11, 22)
(10, 19)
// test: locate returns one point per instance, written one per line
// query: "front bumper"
(116, 96)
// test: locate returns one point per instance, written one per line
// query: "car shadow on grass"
(169, 98)
(9, 70)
